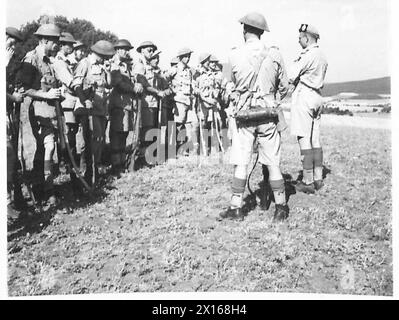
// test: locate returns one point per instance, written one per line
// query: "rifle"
(197, 104)
(216, 124)
(64, 143)
(136, 136)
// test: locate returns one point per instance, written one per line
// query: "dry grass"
(156, 230)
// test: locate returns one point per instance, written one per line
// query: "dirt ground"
(156, 229)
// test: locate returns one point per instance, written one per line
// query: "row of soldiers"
(104, 87)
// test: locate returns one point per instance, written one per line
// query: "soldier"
(91, 79)
(78, 53)
(125, 88)
(151, 95)
(253, 73)
(12, 122)
(160, 102)
(220, 89)
(307, 75)
(145, 50)
(182, 86)
(205, 87)
(37, 75)
(64, 73)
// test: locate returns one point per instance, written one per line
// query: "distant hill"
(365, 89)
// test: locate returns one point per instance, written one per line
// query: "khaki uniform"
(182, 86)
(121, 109)
(206, 88)
(244, 61)
(94, 80)
(38, 73)
(64, 73)
(307, 73)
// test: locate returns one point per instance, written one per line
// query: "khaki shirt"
(93, 78)
(37, 73)
(309, 68)
(63, 71)
(253, 56)
(182, 84)
(205, 85)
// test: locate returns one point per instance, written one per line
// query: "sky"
(354, 34)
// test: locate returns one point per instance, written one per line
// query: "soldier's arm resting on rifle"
(147, 87)
(121, 83)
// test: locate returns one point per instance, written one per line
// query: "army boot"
(232, 213)
(281, 212)
(318, 184)
(305, 188)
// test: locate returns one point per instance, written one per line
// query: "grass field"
(156, 229)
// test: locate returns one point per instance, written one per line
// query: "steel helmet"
(255, 20)
(213, 58)
(155, 54)
(174, 60)
(204, 57)
(78, 44)
(123, 43)
(48, 30)
(103, 48)
(309, 29)
(67, 37)
(14, 33)
(183, 52)
(146, 44)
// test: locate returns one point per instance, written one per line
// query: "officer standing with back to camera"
(307, 75)
(14, 96)
(91, 79)
(124, 90)
(254, 74)
(38, 77)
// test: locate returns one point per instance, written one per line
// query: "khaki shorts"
(305, 112)
(269, 144)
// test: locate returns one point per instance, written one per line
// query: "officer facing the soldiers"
(252, 74)
(307, 75)
(64, 73)
(14, 194)
(124, 89)
(38, 77)
(91, 79)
